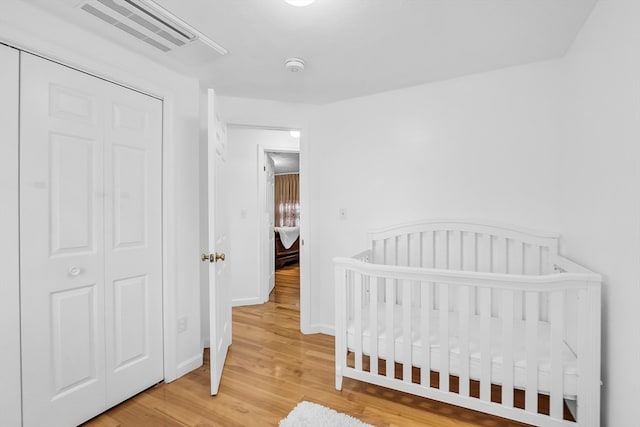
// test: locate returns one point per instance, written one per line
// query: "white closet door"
(9, 278)
(62, 244)
(85, 208)
(133, 232)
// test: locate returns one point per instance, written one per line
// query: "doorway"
(252, 151)
(281, 253)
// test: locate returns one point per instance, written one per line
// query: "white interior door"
(269, 213)
(219, 281)
(9, 278)
(90, 253)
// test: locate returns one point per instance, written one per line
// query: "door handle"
(213, 257)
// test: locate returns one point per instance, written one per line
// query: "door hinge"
(265, 168)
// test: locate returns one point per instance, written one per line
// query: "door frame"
(305, 220)
(262, 152)
(169, 233)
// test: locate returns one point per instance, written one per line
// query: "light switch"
(343, 213)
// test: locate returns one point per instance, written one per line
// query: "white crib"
(513, 329)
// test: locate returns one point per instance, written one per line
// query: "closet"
(90, 243)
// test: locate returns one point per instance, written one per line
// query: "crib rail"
(449, 304)
(465, 245)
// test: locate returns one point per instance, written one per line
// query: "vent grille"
(139, 21)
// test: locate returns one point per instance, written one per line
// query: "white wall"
(552, 145)
(245, 211)
(483, 146)
(600, 179)
(27, 27)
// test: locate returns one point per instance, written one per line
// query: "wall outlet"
(182, 324)
(343, 213)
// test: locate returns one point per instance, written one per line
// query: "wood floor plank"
(270, 368)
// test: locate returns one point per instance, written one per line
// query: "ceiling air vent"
(147, 21)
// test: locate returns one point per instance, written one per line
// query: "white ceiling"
(358, 47)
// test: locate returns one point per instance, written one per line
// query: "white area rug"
(308, 414)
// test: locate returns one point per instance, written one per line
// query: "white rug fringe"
(308, 414)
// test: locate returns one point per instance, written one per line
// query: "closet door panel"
(133, 230)
(9, 279)
(72, 173)
(62, 245)
(91, 243)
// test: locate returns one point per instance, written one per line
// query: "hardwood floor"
(271, 367)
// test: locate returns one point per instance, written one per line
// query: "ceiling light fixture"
(294, 64)
(299, 3)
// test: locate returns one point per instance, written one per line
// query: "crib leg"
(338, 379)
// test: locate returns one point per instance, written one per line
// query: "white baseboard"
(189, 365)
(246, 301)
(319, 328)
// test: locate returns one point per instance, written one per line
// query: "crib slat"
(500, 255)
(507, 348)
(357, 321)
(396, 243)
(468, 243)
(531, 395)
(389, 327)
(342, 319)
(403, 250)
(485, 264)
(465, 314)
(385, 258)
(516, 258)
(557, 371)
(373, 326)
(500, 265)
(406, 331)
(425, 312)
(485, 343)
(415, 249)
(444, 336)
(428, 249)
(516, 262)
(455, 250)
(441, 249)
(375, 251)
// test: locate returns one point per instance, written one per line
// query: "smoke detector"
(294, 64)
(299, 3)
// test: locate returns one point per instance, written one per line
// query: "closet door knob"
(219, 256)
(74, 271)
